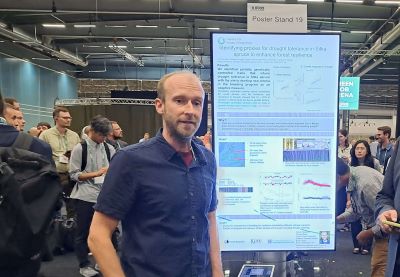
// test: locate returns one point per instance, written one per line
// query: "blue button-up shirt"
(163, 206)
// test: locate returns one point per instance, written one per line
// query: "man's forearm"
(106, 257)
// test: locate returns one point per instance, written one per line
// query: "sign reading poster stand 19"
(349, 95)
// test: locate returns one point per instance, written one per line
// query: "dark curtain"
(134, 120)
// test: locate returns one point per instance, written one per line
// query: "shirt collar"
(169, 152)
(3, 121)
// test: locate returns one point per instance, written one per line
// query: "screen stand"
(276, 258)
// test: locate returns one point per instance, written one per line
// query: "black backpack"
(29, 191)
(84, 153)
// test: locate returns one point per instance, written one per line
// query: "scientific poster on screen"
(275, 113)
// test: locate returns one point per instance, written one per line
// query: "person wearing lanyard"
(385, 148)
(88, 185)
(62, 140)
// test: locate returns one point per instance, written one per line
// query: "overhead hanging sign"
(349, 93)
(276, 18)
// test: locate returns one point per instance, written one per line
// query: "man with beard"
(114, 138)
(62, 140)
(163, 191)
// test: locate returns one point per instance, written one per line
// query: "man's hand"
(390, 215)
(340, 219)
(102, 171)
(365, 236)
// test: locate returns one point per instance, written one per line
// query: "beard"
(178, 130)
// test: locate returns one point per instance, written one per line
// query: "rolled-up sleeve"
(75, 162)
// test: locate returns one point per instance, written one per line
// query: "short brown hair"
(386, 130)
(57, 111)
(10, 100)
(161, 83)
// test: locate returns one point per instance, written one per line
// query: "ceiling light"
(119, 46)
(53, 25)
(387, 68)
(387, 2)
(177, 27)
(115, 26)
(84, 25)
(360, 32)
(92, 46)
(42, 59)
(143, 47)
(330, 31)
(390, 80)
(208, 28)
(146, 26)
(350, 1)
(311, 0)
(369, 79)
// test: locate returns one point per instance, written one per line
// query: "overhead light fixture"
(387, 2)
(208, 28)
(387, 68)
(196, 59)
(369, 79)
(390, 80)
(119, 46)
(42, 59)
(115, 26)
(146, 26)
(330, 31)
(311, 0)
(177, 27)
(360, 32)
(84, 25)
(92, 46)
(350, 1)
(53, 25)
(126, 55)
(143, 47)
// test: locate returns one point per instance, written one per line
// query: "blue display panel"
(275, 114)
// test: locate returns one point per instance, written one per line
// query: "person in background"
(344, 145)
(385, 148)
(10, 115)
(364, 183)
(343, 153)
(62, 140)
(88, 185)
(146, 136)
(373, 145)
(114, 138)
(43, 126)
(164, 192)
(8, 135)
(21, 120)
(34, 132)
(13, 102)
(360, 156)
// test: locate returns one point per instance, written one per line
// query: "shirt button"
(193, 217)
(194, 240)
(191, 193)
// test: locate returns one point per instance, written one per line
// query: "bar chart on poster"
(275, 115)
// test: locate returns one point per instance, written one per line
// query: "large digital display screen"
(275, 119)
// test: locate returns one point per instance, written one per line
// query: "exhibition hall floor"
(342, 262)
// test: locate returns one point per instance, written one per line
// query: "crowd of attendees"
(361, 167)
